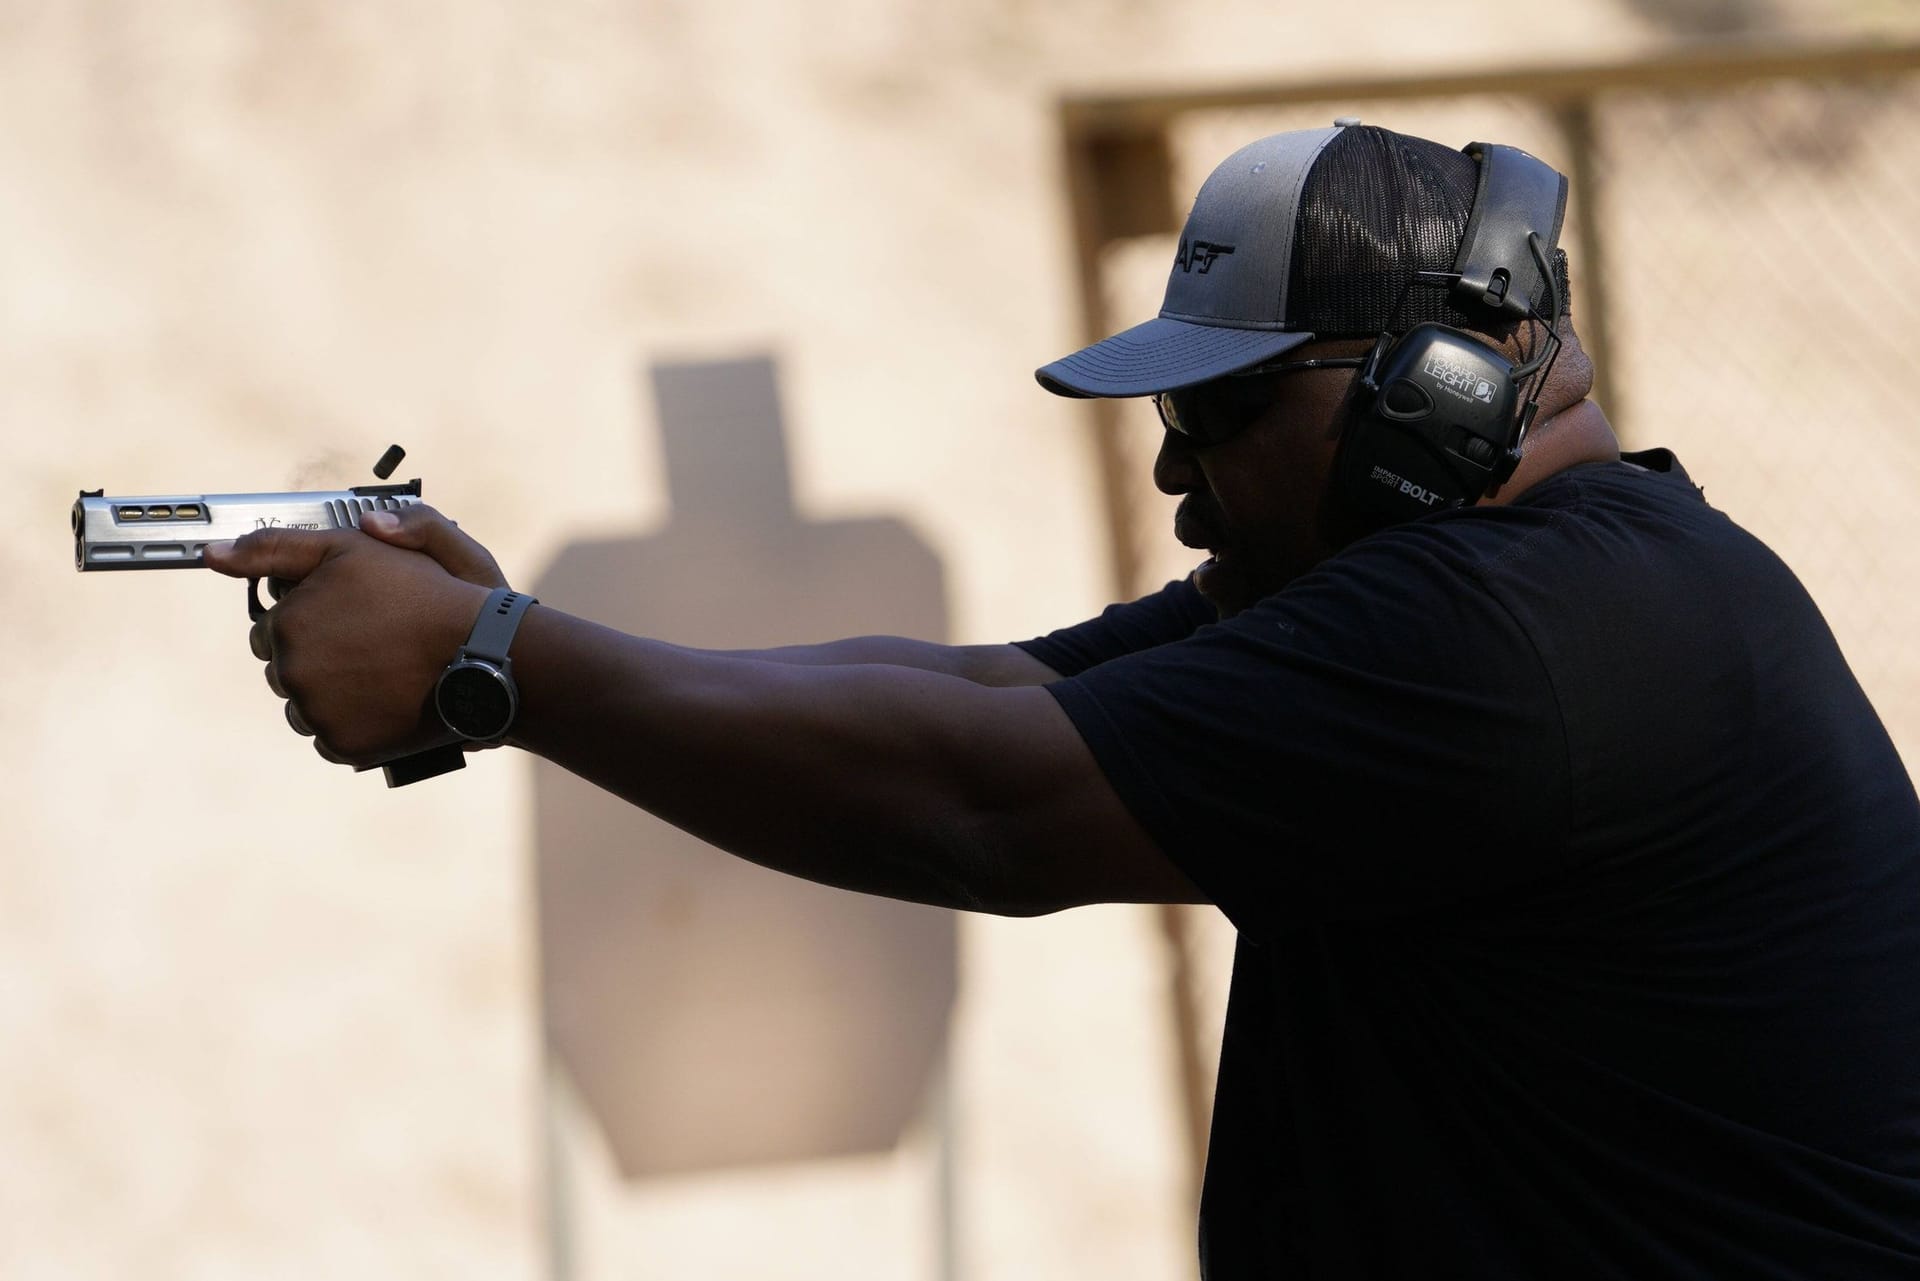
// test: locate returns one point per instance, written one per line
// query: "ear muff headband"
(1518, 197)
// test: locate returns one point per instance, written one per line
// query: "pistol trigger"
(255, 610)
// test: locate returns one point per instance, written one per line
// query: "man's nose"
(1175, 470)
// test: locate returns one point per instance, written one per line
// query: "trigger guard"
(255, 610)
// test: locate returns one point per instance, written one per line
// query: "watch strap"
(499, 619)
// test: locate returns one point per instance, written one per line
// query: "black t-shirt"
(1578, 893)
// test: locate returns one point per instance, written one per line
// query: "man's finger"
(293, 719)
(259, 640)
(291, 554)
(420, 528)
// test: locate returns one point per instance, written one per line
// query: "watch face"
(476, 700)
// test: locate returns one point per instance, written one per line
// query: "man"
(1576, 880)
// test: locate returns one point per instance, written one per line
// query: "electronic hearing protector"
(1435, 420)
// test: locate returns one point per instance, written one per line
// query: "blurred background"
(717, 321)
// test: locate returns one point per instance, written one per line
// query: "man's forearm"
(999, 665)
(878, 777)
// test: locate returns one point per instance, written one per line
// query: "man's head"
(1301, 250)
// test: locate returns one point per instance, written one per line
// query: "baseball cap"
(1309, 234)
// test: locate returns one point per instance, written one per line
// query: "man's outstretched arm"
(910, 783)
(887, 779)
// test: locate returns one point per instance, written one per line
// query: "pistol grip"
(428, 764)
(407, 769)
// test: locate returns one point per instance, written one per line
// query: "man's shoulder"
(1597, 519)
(1606, 554)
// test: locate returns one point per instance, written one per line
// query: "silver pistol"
(171, 531)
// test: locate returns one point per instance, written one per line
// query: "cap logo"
(1200, 257)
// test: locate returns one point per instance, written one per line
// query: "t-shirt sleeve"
(1170, 614)
(1379, 739)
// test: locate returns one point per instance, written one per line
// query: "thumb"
(289, 554)
(418, 527)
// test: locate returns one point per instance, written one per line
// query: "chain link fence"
(1743, 274)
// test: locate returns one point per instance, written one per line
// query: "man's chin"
(1221, 587)
(1231, 582)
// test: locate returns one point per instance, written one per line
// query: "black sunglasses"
(1212, 412)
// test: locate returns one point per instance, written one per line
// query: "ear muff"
(1435, 419)
(1430, 427)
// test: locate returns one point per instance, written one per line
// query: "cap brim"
(1163, 355)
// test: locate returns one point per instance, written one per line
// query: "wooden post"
(1595, 314)
(1119, 183)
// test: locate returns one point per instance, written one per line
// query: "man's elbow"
(990, 865)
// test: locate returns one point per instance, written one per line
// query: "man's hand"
(422, 529)
(363, 627)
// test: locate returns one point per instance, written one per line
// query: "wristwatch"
(476, 695)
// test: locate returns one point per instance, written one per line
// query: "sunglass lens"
(1206, 414)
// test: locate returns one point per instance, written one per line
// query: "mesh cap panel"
(1376, 208)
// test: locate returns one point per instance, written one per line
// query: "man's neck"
(1576, 435)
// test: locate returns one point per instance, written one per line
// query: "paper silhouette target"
(709, 1012)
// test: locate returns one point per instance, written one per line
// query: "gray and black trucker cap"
(1300, 235)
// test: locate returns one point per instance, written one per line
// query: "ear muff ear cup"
(1429, 426)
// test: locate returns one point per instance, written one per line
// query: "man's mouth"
(1195, 532)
